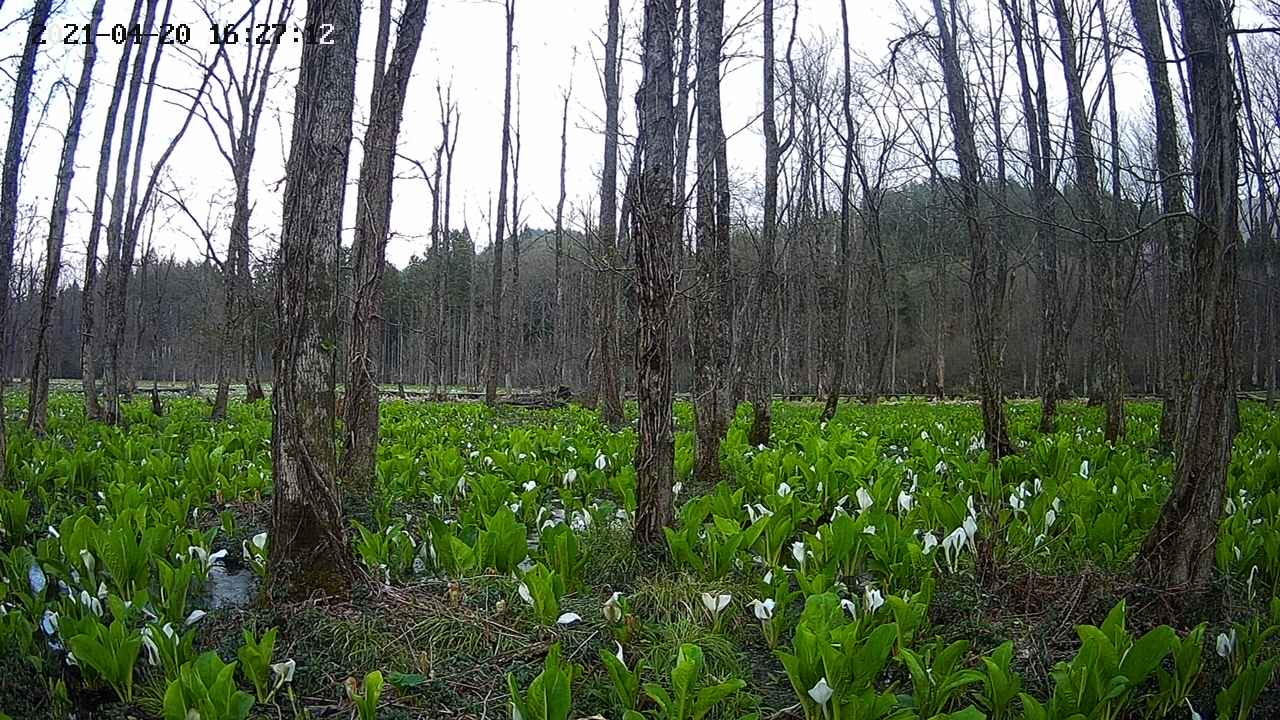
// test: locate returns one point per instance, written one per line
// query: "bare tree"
(760, 392)
(309, 553)
(89, 342)
(9, 178)
(38, 401)
(711, 339)
(369, 252)
(606, 386)
(1096, 227)
(655, 232)
(1179, 550)
(495, 298)
(841, 345)
(232, 115)
(981, 291)
(559, 336)
(1180, 312)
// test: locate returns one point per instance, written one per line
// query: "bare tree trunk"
(1261, 232)
(712, 409)
(841, 343)
(559, 337)
(1179, 310)
(89, 343)
(121, 238)
(240, 111)
(655, 246)
(369, 252)
(1036, 121)
(1179, 551)
(495, 298)
(9, 178)
(760, 392)
(994, 425)
(1095, 226)
(515, 335)
(38, 403)
(309, 553)
(605, 365)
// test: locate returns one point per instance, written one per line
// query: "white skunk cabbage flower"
(283, 671)
(611, 610)
(763, 609)
(864, 499)
(873, 599)
(715, 604)
(1226, 643)
(821, 692)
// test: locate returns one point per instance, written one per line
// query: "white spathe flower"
(869, 530)
(930, 542)
(283, 671)
(864, 499)
(798, 552)
(763, 609)
(783, 489)
(524, 593)
(612, 610)
(87, 558)
(153, 652)
(568, 618)
(260, 541)
(91, 602)
(873, 599)
(195, 617)
(970, 526)
(952, 544)
(1050, 517)
(601, 462)
(570, 476)
(675, 489)
(821, 692)
(530, 486)
(906, 502)
(1226, 643)
(1016, 502)
(1084, 469)
(850, 606)
(49, 622)
(715, 604)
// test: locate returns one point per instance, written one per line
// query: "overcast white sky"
(557, 41)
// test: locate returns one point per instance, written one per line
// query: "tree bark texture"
(711, 342)
(309, 553)
(994, 424)
(655, 244)
(38, 399)
(494, 353)
(606, 383)
(1179, 551)
(9, 177)
(369, 252)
